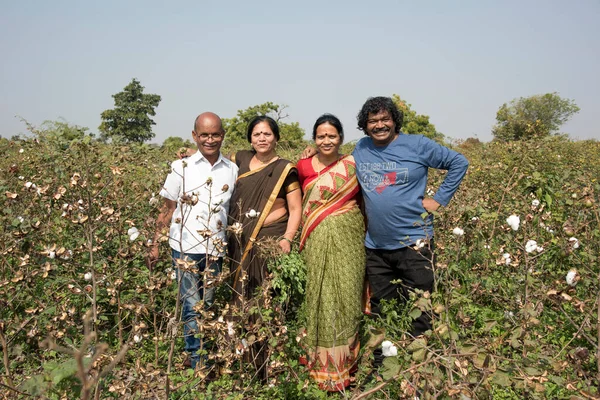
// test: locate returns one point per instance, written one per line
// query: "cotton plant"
(133, 233)
(574, 242)
(532, 246)
(252, 213)
(458, 232)
(514, 222)
(572, 277)
(388, 349)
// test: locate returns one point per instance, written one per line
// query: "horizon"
(455, 63)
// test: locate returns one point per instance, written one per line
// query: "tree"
(291, 133)
(130, 120)
(174, 143)
(416, 123)
(534, 116)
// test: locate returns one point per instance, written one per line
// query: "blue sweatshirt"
(393, 180)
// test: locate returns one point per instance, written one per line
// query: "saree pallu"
(333, 250)
(255, 192)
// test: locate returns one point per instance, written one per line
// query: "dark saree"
(255, 192)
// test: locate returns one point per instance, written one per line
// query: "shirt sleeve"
(172, 186)
(434, 155)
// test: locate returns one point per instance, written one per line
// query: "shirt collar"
(198, 157)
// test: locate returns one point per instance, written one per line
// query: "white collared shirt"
(200, 228)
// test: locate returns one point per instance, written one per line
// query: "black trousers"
(414, 268)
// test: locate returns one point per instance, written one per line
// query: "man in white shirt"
(196, 204)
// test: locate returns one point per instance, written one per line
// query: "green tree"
(130, 120)
(291, 133)
(416, 123)
(534, 116)
(174, 143)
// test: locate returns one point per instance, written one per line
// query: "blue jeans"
(191, 291)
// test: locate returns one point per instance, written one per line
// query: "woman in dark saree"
(266, 205)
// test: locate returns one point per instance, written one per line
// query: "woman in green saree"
(332, 243)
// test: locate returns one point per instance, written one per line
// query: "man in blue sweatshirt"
(392, 170)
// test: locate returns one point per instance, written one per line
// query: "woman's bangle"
(288, 240)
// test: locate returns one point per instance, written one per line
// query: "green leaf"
(64, 370)
(548, 199)
(531, 371)
(391, 367)
(500, 378)
(415, 313)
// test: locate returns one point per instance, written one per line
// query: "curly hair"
(375, 105)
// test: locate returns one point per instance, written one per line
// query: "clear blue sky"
(456, 61)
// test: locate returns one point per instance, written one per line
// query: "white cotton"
(507, 261)
(153, 200)
(252, 214)
(133, 233)
(420, 243)
(388, 349)
(514, 221)
(51, 255)
(87, 276)
(21, 219)
(173, 275)
(29, 184)
(137, 338)
(574, 242)
(21, 150)
(535, 203)
(531, 246)
(539, 249)
(572, 277)
(230, 330)
(458, 232)
(21, 177)
(475, 219)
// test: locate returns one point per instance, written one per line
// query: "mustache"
(381, 130)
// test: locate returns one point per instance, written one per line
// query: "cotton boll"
(458, 232)
(87, 276)
(574, 242)
(514, 221)
(252, 214)
(572, 277)
(531, 246)
(388, 349)
(133, 233)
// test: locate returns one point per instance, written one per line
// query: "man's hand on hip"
(430, 204)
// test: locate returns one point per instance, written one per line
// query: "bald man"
(196, 204)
